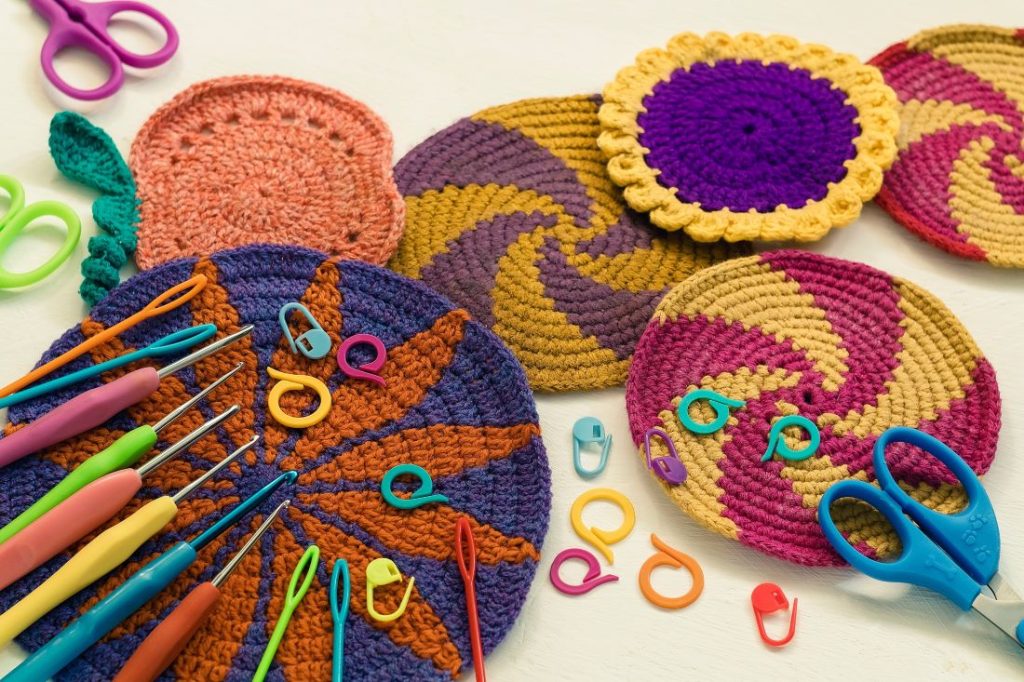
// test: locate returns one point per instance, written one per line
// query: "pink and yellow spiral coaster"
(849, 347)
(256, 159)
(958, 181)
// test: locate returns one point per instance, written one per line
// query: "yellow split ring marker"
(598, 537)
(296, 382)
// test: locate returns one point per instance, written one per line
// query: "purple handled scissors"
(74, 23)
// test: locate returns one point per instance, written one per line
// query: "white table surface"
(422, 66)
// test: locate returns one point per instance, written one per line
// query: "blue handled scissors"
(955, 555)
(18, 217)
(74, 23)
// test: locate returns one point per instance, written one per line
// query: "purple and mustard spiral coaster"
(852, 349)
(958, 181)
(455, 402)
(511, 214)
(748, 137)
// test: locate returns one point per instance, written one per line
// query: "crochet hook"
(168, 639)
(104, 553)
(173, 298)
(174, 342)
(131, 595)
(122, 453)
(305, 569)
(97, 405)
(467, 567)
(75, 517)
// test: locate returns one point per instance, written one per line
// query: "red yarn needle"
(467, 567)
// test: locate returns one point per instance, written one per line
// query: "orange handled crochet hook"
(163, 645)
(164, 303)
(467, 567)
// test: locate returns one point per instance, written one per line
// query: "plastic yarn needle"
(120, 454)
(90, 409)
(306, 570)
(173, 298)
(131, 595)
(467, 567)
(104, 553)
(162, 646)
(339, 613)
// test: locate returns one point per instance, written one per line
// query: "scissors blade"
(1002, 590)
(1005, 615)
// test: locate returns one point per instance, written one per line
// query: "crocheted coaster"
(236, 161)
(958, 180)
(851, 348)
(748, 137)
(456, 403)
(510, 213)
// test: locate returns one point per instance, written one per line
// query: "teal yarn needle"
(339, 612)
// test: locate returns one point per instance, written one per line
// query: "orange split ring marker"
(668, 556)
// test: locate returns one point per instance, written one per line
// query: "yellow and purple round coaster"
(958, 180)
(854, 350)
(748, 137)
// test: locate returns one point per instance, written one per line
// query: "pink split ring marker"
(370, 370)
(592, 579)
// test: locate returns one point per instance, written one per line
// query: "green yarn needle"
(308, 564)
(86, 154)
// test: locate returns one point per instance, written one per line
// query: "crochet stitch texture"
(851, 348)
(257, 159)
(748, 137)
(511, 214)
(456, 403)
(958, 181)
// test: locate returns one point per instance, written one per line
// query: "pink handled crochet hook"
(90, 409)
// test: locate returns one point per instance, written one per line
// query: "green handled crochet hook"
(308, 564)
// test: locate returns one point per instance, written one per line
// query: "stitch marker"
(777, 444)
(719, 403)
(667, 467)
(598, 537)
(767, 598)
(371, 370)
(668, 556)
(584, 432)
(421, 496)
(315, 343)
(296, 382)
(592, 579)
(382, 572)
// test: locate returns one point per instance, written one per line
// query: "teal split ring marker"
(719, 403)
(777, 444)
(421, 496)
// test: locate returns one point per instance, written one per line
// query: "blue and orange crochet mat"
(455, 402)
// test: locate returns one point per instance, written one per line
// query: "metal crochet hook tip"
(205, 351)
(187, 490)
(173, 415)
(237, 559)
(186, 442)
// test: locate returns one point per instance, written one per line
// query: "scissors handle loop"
(971, 536)
(100, 15)
(16, 193)
(921, 561)
(15, 224)
(65, 34)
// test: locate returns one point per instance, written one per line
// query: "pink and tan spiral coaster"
(256, 159)
(849, 347)
(958, 180)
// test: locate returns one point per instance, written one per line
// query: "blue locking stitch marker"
(777, 444)
(315, 343)
(584, 432)
(719, 403)
(419, 497)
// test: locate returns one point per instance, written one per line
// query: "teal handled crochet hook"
(175, 342)
(167, 640)
(306, 571)
(121, 454)
(97, 405)
(130, 596)
(104, 553)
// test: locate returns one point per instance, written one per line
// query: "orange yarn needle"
(164, 303)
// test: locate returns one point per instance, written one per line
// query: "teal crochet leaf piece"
(86, 154)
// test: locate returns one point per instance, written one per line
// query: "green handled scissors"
(308, 564)
(18, 217)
